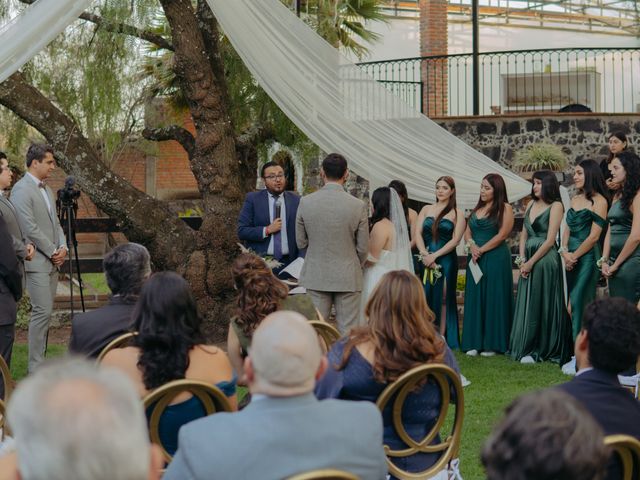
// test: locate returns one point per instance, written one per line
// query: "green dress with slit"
(582, 280)
(449, 269)
(488, 305)
(626, 281)
(541, 325)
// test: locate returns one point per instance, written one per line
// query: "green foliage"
(191, 212)
(461, 283)
(540, 156)
(24, 310)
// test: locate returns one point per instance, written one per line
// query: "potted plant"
(540, 156)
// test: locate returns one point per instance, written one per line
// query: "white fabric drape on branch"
(342, 109)
(28, 33)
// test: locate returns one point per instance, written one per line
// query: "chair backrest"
(7, 380)
(326, 474)
(3, 421)
(117, 342)
(212, 398)
(327, 333)
(448, 381)
(628, 450)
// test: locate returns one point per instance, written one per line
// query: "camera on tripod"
(68, 194)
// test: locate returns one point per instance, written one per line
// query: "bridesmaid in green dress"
(488, 304)
(541, 329)
(621, 256)
(439, 229)
(580, 248)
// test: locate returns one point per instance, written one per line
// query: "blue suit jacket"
(254, 216)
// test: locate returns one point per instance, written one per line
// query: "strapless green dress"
(541, 326)
(449, 263)
(626, 281)
(488, 305)
(582, 280)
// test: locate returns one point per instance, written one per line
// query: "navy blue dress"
(356, 382)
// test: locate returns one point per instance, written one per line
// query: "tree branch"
(255, 135)
(123, 28)
(172, 132)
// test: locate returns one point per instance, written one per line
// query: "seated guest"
(259, 294)
(72, 420)
(545, 436)
(170, 346)
(125, 268)
(284, 430)
(608, 343)
(399, 336)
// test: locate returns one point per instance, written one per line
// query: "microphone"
(278, 208)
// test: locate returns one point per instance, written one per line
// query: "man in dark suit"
(260, 227)
(126, 267)
(609, 343)
(10, 283)
(24, 250)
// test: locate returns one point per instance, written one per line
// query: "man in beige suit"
(333, 226)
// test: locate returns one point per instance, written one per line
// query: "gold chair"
(211, 397)
(117, 342)
(327, 474)
(626, 447)
(446, 380)
(7, 379)
(3, 420)
(327, 333)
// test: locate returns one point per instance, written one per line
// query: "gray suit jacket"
(334, 227)
(274, 438)
(20, 242)
(39, 224)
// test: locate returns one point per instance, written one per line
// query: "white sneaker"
(527, 360)
(569, 368)
(473, 353)
(488, 353)
(464, 381)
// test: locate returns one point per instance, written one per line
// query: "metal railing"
(602, 79)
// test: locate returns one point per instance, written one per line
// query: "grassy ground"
(495, 382)
(96, 281)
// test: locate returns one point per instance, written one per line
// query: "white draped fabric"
(342, 109)
(28, 33)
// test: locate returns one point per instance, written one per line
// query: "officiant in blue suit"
(267, 221)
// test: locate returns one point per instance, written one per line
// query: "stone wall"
(581, 136)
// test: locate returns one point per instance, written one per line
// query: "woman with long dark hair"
(580, 246)
(618, 143)
(398, 336)
(621, 255)
(170, 346)
(488, 303)
(439, 230)
(541, 329)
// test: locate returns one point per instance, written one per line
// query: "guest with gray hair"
(72, 420)
(292, 430)
(126, 267)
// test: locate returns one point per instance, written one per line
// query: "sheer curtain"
(25, 35)
(342, 109)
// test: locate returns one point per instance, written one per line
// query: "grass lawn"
(96, 281)
(495, 382)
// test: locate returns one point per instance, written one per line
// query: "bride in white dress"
(389, 241)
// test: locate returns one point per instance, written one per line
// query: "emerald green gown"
(449, 270)
(541, 326)
(488, 305)
(582, 280)
(626, 281)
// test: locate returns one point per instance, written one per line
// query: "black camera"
(68, 194)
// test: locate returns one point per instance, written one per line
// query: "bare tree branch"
(172, 132)
(123, 28)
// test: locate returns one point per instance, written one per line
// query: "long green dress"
(488, 305)
(541, 326)
(449, 264)
(626, 281)
(582, 280)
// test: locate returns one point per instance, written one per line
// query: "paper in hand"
(475, 271)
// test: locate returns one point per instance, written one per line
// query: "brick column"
(434, 41)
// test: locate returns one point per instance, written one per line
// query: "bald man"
(285, 430)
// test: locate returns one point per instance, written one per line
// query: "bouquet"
(431, 274)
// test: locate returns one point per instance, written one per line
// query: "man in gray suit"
(334, 228)
(285, 430)
(23, 249)
(36, 209)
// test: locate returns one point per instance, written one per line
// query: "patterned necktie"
(41, 185)
(277, 237)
